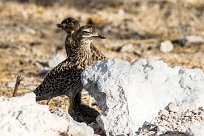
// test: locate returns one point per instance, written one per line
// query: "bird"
(70, 25)
(65, 78)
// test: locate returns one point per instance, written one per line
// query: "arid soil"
(29, 36)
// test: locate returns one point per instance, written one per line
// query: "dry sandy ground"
(29, 35)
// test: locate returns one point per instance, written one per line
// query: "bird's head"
(88, 33)
(69, 24)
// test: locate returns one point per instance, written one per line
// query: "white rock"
(11, 84)
(194, 39)
(75, 128)
(196, 129)
(131, 94)
(172, 107)
(126, 48)
(22, 116)
(55, 60)
(190, 39)
(30, 30)
(164, 112)
(43, 71)
(121, 12)
(166, 46)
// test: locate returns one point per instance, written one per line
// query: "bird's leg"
(90, 101)
(89, 98)
(77, 100)
(74, 103)
(71, 105)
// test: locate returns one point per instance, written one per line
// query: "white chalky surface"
(22, 116)
(132, 94)
(196, 129)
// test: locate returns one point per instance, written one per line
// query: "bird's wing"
(97, 54)
(60, 80)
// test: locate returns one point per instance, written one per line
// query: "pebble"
(55, 60)
(11, 84)
(43, 71)
(188, 113)
(126, 48)
(166, 46)
(173, 108)
(194, 39)
(164, 112)
(30, 30)
(121, 12)
(190, 39)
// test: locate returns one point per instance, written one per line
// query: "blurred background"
(171, 30)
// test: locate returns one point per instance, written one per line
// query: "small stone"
(190, 39)
(11, 84)
(173, 108)
(166, 46)
(194, 39)
(126, 48)
(188, 114)
(43, 71)
(201, 108)
(30, 30)
(161, 128)
(55, 60)
(164, 112)
(195, 111)
(121, 12)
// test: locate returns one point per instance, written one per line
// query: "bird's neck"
(69, 42)
(83, 53)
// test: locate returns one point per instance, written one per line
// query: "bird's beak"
(59, 25)
(101, 36)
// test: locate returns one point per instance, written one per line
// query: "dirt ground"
(134, 30)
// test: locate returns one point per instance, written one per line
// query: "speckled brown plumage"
(64, 79)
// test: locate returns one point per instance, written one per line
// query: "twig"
(48, 102)
(18, 81)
